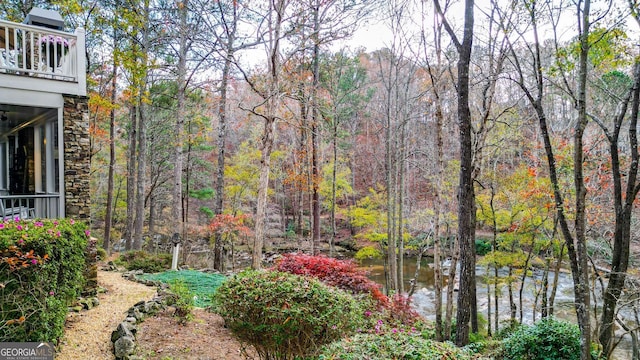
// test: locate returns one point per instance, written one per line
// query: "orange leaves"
(17, 259)
(97, 132)
(228, 224)
(297, 176)
(18, 321)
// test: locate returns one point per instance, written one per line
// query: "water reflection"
(424, 297)
(375, 269)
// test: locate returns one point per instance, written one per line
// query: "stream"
(424, 296)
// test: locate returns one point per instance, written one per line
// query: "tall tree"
(229, 22)
(108, 222)
(315, 118)
(327, 21)
(466, 213)
(435, 70)
(185, 41)
(136, 69)
(343, 79)
(576, 240)
(141, 100)
(578, 253)
(267, 110)
(623, 199)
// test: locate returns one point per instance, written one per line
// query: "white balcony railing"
(29, 206)
(41, 52)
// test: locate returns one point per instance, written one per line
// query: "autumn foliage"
(342, 274)
(230, 225)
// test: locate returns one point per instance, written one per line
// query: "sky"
(375, 33)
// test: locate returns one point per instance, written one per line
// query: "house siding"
(76, 157)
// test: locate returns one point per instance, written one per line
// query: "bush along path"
(88, 334)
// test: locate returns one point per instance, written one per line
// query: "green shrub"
(390, 345)
(101, 253)
(285, 316)
(507, 328)
(483, 247)
(182, 301)
(147, 262)
(548, 339)
(368, 252)
(41, 273)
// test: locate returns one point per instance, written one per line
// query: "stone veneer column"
(76, 157)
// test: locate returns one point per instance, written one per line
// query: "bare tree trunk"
(624, 210)
(579, 265)
(177, 212)
(301, 158)
(315, 171)
(140, 192)
(218, 261)
(512, 303)
(489, 303)
(437, 248)
(545, 289)
(131, 176)
(556, 280)
(494, 247)
(152, 214)
(263, 187)
(466, 216)
(524, 278)
(392, 283)
(276, 9)
(391, 264)
(400, 201)
(451, 284)
(112, 157)
(439, 116)
(315, 183)
(334, 141)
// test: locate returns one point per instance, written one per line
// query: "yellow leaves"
(69, 6)
(97, 102)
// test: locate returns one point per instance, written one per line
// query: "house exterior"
(44, 120)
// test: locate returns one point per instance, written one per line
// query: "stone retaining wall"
(124, 337)
(76, 157)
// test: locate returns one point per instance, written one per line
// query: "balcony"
(31, 54)
(44, 137)
(29, 206)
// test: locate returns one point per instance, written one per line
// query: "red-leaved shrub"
(342, 274)
(395, 312)
(400, 311)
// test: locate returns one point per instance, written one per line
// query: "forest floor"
(88, 333)
(204, 337)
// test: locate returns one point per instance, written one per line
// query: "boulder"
(124, 346)
(124, 329)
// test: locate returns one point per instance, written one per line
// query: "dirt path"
(88, 333)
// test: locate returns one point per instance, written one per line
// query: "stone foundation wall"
(76, 157)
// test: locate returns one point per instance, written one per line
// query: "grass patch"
(201, 284)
